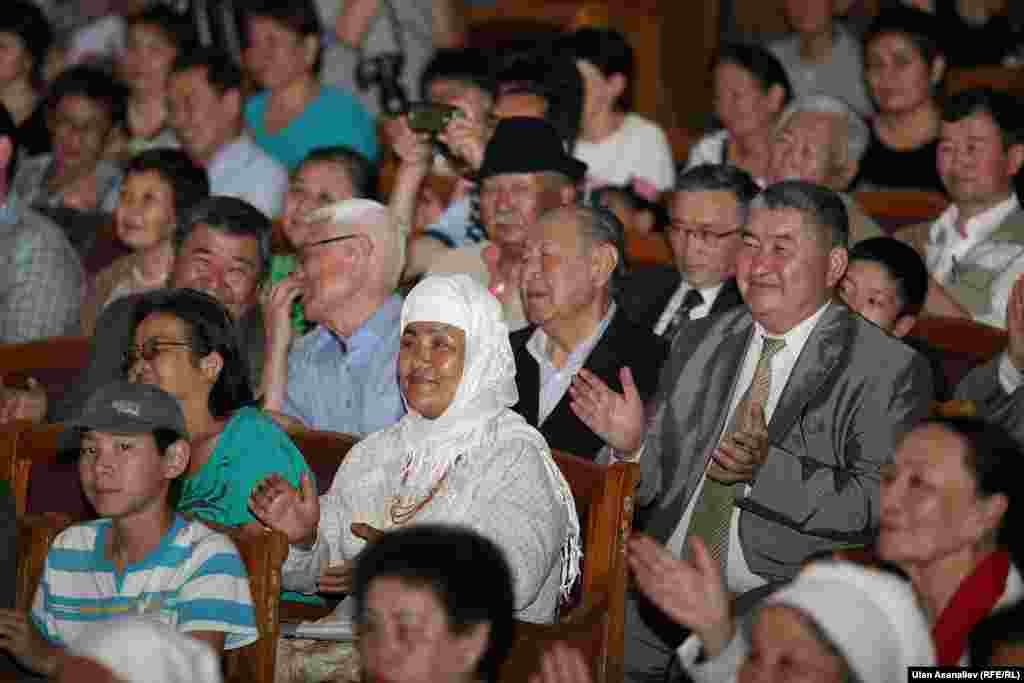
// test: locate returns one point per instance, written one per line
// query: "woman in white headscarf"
(460, 456)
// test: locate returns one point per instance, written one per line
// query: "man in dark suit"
(571, 263)
(708, 208)
(772, 421)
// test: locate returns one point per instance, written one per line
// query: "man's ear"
(617, 84)
(777, 95)
(175, 459)
(232, 99)
(311, 45)
(470, 647)
(846, 173)
(1014, 158)
(989, 512)
(567, 195)
(938, 70)
(211, 364)
(604, 259)
(838, 258)
(904, 324)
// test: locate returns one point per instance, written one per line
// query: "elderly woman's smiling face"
(430, 362)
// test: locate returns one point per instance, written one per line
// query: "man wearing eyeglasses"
(342, 376)
(708, 210)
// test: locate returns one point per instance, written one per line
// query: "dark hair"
(721, 178)
(165, 438)
(995, 461)
(918, 27)
(92, 83)
(177, 28)
(467, 65)
(551, 75)
(222, 73)
(188, 182)
(610, 52)
(602, 196)
(902, 263)
(759, 62)
(1002, 107)
(821, 205)
(1004, 627)
(210, 329)
(467, 573)
(360, 170)
(298, 16)
(9, 130)
(230, 215)
(25, 20)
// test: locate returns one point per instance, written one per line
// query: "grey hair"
(823, 207)
(373, 219)
(598, 225)
(858, 135)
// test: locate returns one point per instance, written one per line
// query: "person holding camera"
(296, 114)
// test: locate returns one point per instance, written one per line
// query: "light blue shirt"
(241, 169)
(455, 228)
(354, 391)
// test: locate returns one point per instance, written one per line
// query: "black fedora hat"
(528, 145)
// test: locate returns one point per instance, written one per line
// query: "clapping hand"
(562, 664)
(19, 637)
(280, 506)
(688, 592)
(616, 418)
(28, 403)
(1015, 324)
(338, 578)
(739, 456)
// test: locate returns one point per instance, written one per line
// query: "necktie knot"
(772, 345)
(691, 300)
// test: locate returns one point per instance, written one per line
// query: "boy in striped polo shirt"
(140, 558)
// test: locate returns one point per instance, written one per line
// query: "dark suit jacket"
(852, 393)
(645, 294)
(991, 401)
(623, 343)
(113, 336)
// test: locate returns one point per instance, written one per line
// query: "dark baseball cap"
(125, 408)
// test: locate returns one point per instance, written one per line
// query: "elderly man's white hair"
(140, 650)
(858, 135)
(373, 219)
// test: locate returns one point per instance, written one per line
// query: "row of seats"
(603, 497)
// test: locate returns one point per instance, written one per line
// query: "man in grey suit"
(772, 420)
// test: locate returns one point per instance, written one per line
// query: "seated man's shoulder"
(81, 536)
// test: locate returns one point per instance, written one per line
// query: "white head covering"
(487, 390)
(140, 650)
(871, 616)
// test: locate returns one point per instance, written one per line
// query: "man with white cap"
(342, 376)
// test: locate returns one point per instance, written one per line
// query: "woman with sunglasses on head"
(184, 342)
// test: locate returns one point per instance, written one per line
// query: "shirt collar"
(370, 333)
(537, 345)
(979, 227)
(226, 153)
(796, 337)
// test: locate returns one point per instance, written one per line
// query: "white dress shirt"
(738, 577)
(554, 381)
(697, 312)
(947, 247)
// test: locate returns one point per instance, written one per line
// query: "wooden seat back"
(55, 363)
(963, 344)
(894, 209)
(323, 452)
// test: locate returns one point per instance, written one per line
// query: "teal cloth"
(250, 448)
(334, 117)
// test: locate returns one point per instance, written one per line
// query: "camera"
(427, 117)
(383, 71)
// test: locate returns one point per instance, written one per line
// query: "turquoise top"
(333, 118)
(250, 448)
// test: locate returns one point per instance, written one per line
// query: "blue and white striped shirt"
(194, 581)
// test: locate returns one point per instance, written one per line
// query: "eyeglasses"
(149, 351)
(303, 250)
(708, 237)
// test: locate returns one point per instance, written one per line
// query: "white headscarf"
(871, 616)
(487, 390)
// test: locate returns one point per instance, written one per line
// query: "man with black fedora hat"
(525, 172)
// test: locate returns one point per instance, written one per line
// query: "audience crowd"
(262, 232)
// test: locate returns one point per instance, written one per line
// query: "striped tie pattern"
(712, 512)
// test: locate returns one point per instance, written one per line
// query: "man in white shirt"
(975, 250)
(772, 420)
(709, 207)
(205, 94)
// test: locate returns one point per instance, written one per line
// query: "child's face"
(122, 474)
(868, 289)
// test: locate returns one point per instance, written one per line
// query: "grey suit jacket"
(991, 401)
(851, 394)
